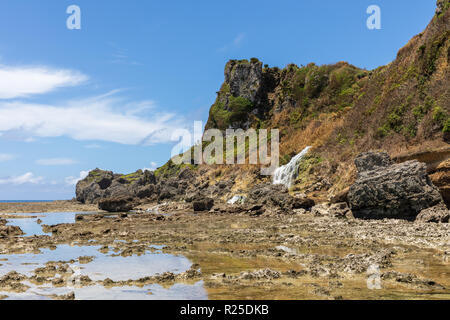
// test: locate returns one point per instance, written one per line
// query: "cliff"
(340, 110)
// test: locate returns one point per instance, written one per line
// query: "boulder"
(121, 204)
(302, 203)
(436, 214)
(277, 195)
(386, 190)
(203, 204)
(339, 210)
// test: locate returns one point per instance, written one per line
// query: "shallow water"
(97, 292)
(30, 226)
(105, 265)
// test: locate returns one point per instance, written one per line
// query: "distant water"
(15, 201)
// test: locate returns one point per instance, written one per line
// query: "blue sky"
(110, 94)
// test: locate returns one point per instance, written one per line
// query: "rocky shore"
(356, 223)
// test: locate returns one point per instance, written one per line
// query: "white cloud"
(56, 162)
(27, 178)
(103, 118)
(16, 82)
(73, 180)
(6, 157)
(153, 167)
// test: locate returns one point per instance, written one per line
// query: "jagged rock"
(302, 203)
(100, 184)
(10, 231)
(386, 190)
(203, 204)
(117, 204)
(436, 214)
(340, 210)
(146, 191)
(371, 161)
(186, 174)
(244, 78)
(276, 195)
(267, 274)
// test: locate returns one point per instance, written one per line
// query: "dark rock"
(204, 204)
(437, 214)
(148, 178)
(186, 174)
(167, 192)
(276, 195)
(302, 203)
(101, 184)
(117, 204)
(370, 161)
(146, 191)
(386, 190)
(105, 183)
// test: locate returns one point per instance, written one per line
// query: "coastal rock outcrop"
(276, 195)
(120, 204)
(100, 184)
(387, 190)
(244, 78)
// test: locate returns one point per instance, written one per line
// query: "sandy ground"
(295, 256)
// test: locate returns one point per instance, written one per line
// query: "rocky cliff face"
(342, 110)
(339, 109)
(101, 184)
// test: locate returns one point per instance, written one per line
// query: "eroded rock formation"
(387, 190)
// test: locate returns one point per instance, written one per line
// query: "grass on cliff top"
(222, 116)
(171, 169)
